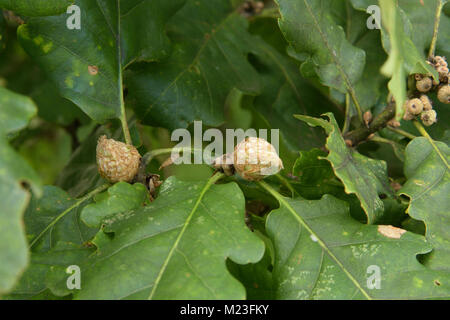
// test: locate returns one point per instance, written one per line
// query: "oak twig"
(362, 133)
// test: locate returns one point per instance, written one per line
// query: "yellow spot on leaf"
(69, 82)
(38, 40)
(47, 47)
(418, 282)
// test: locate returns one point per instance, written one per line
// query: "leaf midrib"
(194, 61)
(286, 204)
(333, 56)
(210, 182)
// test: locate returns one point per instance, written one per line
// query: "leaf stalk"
(437, 20)
(214, 178)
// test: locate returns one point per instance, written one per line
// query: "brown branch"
(356, 136)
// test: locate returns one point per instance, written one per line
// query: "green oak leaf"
(24, 76)
(310, 28)
(310, 168)
(63, 241)
(146, 41)
(314, 177)
(119, 198)
(322, 253)
(46, 96)
(46, 276)
(35, 8)
(209, 59)
(175, 248)
(369, 88)
(15, 112)
(363, 176)
(45, 210)
(284, 93)
(15, 173)
(87, 64)
(256, 277)
(428, 187)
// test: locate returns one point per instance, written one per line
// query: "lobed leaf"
(285, 93)
(87, 64)
(59, 245)
(209, 58)
(369, 89)
(310, 29)
(428, 187)
(16, 111)
(321, 253)
(42, 211)
(174, 248)
(314, 177)
(46, 276)
(119, 198)
(363, 176)
(15, 175)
